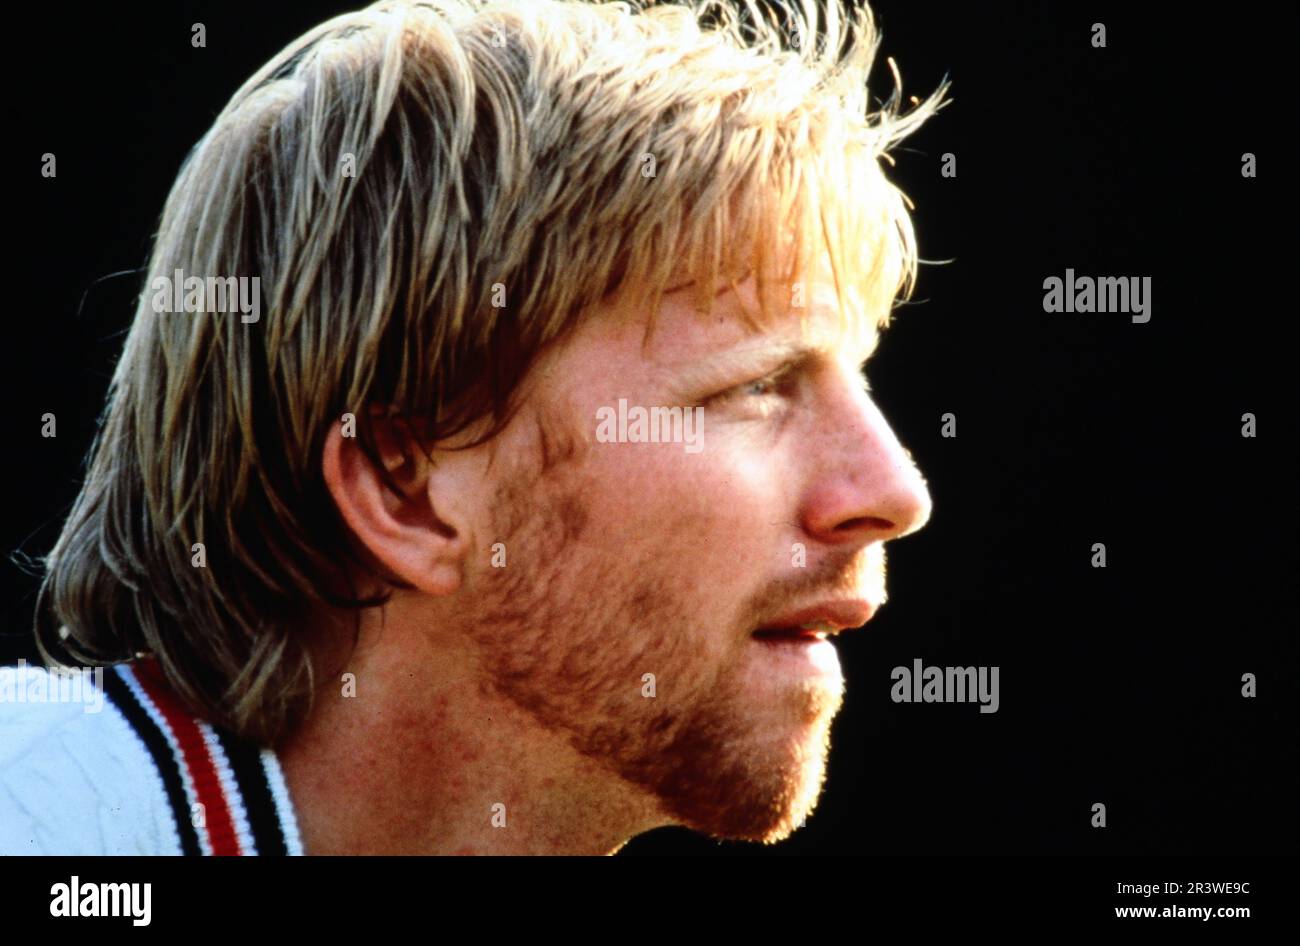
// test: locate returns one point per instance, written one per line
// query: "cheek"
(721, 514)
(752, 511)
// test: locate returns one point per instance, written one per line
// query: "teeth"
(822, 628)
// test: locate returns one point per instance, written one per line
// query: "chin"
(805, 787)
(772, 792)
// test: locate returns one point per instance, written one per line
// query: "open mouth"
(805, 634)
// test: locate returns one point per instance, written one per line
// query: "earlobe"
(402, 532)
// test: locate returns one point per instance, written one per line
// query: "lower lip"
(807, 655)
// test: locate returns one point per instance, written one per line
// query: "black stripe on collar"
(139, 719)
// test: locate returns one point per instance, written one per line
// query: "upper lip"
(839, 614)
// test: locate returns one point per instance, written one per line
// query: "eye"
(766, 386)
(761, 386)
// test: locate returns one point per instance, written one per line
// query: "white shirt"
(109, 762)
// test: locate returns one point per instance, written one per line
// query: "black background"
(1118, 685)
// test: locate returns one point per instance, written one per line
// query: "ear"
(422, 535)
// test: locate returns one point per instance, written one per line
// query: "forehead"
(813, 316)
(614, 350)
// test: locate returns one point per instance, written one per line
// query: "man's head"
(479, 229)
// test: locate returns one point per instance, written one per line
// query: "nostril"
(865, 522)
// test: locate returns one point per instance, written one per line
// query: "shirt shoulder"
(74, 776)
(108, 761)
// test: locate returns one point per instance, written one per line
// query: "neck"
(420, 757)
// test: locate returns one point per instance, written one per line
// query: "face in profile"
(661, 607)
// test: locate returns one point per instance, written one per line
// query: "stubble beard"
(568, 636)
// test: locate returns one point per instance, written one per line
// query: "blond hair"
(385, 176)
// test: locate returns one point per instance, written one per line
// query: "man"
(515, 512)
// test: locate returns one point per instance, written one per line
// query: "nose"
(864, 486)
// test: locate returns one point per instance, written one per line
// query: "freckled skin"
(655, 589)
(578, 668)
(623, 559)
